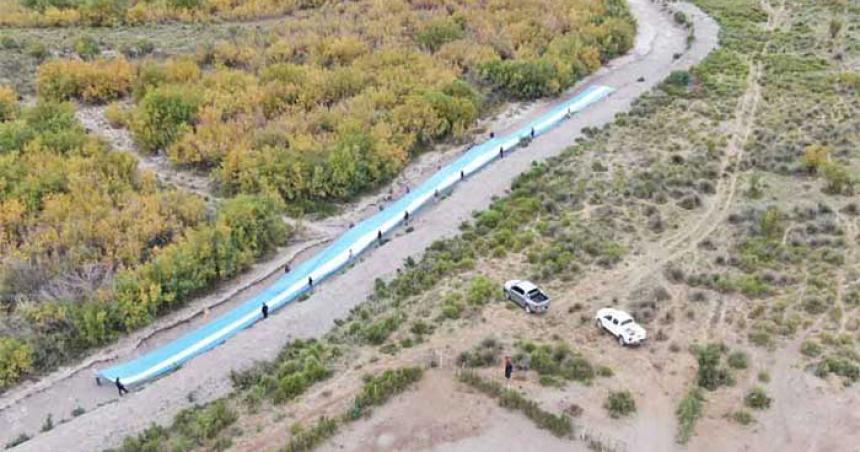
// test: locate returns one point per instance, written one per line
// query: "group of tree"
(317, 114)
(111, 13)
(91, 247)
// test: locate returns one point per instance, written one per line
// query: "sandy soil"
(207, 377)
(470, 422)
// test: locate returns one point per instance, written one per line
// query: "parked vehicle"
(621, 325)
(527, 295)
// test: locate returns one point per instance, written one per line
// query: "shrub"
(738, 360)
(840, 366)
(620, 403)
(451, 310)
(299, 366)
(87, 47)
(839, 180)
(377, 332)
(165, 114)
(16, 360)
(559, 425)
(810, 348)
(20, 439)
(78, 411)
(116, 115)
(481, 290)
(680, 79)
(378, 389)
(306, 440)
(816, 156)
(523, 79)
(103, 13)
(37, 50)
(95, 81)
(48, 424)
(484, 354)
(438, 33)
(8, 103)
(557, 360)
(742, 417)
(688, 412)
(191, 428)
(757, 398)
(710, 376)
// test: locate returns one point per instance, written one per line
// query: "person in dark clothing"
(379, 236)
(492, 135)
(406, 217)
(120, 387)
(462, 175)
(509, 369)
(501, 152)
(311, 282)
(533, 132)
(265, 310)
(287, 268)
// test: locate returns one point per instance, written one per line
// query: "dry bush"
(95, 81)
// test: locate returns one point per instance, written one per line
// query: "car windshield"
(537, 295)
(628, 321)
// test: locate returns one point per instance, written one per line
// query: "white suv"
(621, 325)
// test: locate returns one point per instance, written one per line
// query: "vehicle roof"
(528, 286)
(617, 313)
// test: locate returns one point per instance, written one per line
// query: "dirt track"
(108, 419)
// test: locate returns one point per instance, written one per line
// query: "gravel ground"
(109, 419)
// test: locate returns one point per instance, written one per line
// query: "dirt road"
(108, 420)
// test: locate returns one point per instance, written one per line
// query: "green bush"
(742, 417)
(688, 412)
(757, 398)
(87, 47)
(738, 360)
(710, 375)
(438, 33)
(810, 348)
(523, 79)
(20, 439)
(306, 440)
(557, 360)
(840, 366)
(191, 428)
(376, 333)
(481, 290)
(482, 355)
(378, 389)
(559, 425)
(300, 365)
(620, 403)
(451, 310)
(16, 360)
(163, 115)
(103, 13)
